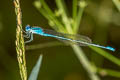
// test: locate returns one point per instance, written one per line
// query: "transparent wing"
(68, 38)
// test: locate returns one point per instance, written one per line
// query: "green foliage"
(35, 71)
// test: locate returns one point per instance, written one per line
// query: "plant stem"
(74, 14)
(20, 42)
(61, 7)
(108, 72)
(44, 45)
(85, 63)
(77, 19)
(48, 14)
(106, 55)
(117, 4)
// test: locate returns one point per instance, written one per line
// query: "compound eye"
(28, 27)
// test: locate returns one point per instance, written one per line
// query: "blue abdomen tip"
(110, 48)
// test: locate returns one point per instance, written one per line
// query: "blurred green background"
(100, 22)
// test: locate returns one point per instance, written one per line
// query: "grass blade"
(106, 55)
(117, 4)
(35, 71)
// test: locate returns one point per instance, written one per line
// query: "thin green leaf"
(74, 9)
(117, 4)
(44, 45)
(106, 55)
(35, 71)
(77, 19)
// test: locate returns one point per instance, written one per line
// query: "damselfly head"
(28, 28)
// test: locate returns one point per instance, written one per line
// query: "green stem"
(117, 4)
(108, 72)
(44, 45)
(61, 6)
(47, 12)
(20, 42)
(85, 63)
(74, 9)
(106, 55)
(77, 20)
